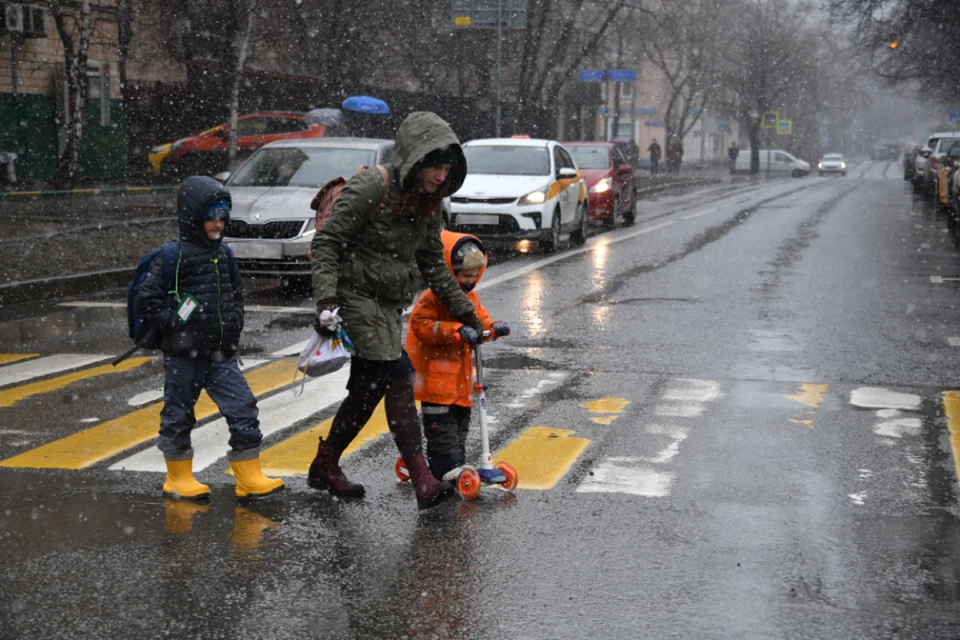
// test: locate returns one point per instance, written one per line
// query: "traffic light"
(894, 44)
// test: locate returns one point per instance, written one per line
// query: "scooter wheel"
(468, 484)
(511, 482)
(401, 469)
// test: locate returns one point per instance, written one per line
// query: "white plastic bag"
(325, 355)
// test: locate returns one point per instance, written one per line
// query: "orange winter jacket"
(442, 360)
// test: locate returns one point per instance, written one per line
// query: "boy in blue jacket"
(200, 323)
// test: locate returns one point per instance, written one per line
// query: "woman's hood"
(418, 135)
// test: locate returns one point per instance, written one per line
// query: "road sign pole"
(499, 38)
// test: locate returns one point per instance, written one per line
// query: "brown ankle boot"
(325, 474)
(430, 491)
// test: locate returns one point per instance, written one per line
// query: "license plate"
(469, 218)
(257, 250)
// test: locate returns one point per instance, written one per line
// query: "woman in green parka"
(366, 267)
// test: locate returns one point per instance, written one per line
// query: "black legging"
(402, 418)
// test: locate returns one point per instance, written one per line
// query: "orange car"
(206, 153)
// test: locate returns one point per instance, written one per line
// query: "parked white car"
(774, 162)
(521, 189)
(272, 225)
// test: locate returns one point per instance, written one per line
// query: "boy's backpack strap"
(170, 254)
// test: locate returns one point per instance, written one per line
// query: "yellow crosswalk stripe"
(951, 409)
(7, 358)
(542, 456)
(107, 439)
(12, 396)
(293, 456)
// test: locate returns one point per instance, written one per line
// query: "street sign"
(591, 75)
(954, 115)
(482, 14)
(785, 127)
(770, 119)
(622, 75)
(647, 111)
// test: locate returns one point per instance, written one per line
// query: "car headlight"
(843, 165)
(819, 165)
(602, 186)
(534, 197)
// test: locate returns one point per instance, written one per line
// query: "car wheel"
(579, 236)
(550, 242)
(611, 222)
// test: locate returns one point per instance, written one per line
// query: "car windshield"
(833, 156)
(502, 160)
(590, 157)
(946, 143)
(300, 167)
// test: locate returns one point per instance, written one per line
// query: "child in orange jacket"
(440, 349)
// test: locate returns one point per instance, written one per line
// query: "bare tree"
(241, 46)
(684, 41)
(908, 40)
(73, 26)
(761, 64)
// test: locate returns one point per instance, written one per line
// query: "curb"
(75, 193)
(693, 182)
(63, 286)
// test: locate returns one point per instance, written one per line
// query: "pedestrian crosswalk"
(615, 445)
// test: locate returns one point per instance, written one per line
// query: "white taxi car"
(521, 189)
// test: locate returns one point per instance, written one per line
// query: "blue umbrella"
(365, 104)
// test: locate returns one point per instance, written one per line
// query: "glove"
(500, 328)
(468, 334)
(327, 320)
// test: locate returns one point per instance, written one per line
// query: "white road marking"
(898, 428)
(693, 390)
(618, 477)
(277, 412)
(20, 372)
(90, 304)
(700, 213)
(877, 398)
(857, 498)
(924, 245)
(590, 246)
(680, 410)
(936, 279)
(953, 341)
(523, 399)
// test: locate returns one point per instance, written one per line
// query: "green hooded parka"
(368, 262)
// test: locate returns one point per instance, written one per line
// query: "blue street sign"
(647, 111)
(954, 115)
(623, 75)
(591, 75)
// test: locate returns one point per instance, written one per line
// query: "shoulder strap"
(386, 189)
(170, 254)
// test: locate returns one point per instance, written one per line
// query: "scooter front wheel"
(512, 479)
(468, 484)
(401, 469)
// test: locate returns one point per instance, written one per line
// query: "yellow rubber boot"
(251, 483)
(180, 483)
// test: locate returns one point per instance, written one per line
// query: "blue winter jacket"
(205, 272)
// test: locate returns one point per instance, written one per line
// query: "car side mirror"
(567, 172)
(223, 176)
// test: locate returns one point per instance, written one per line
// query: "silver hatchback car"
(272, 225)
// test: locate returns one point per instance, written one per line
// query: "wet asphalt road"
(730, 419)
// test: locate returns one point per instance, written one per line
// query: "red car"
(206, 153)
(610, 182)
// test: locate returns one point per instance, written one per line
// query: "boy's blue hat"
(218, 209)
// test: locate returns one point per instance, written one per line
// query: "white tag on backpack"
(187, 307)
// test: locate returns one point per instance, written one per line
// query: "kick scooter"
(470, 480)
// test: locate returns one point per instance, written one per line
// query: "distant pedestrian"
(655, 153)
(200, 323)
(732, 152)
